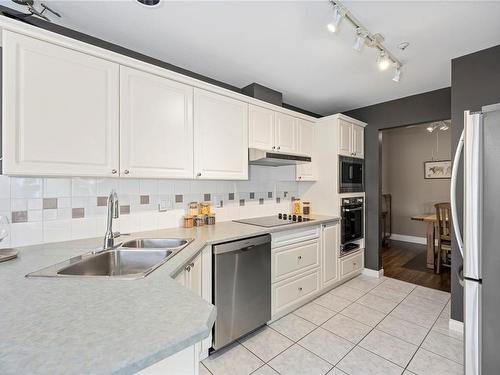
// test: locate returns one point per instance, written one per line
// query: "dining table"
(431, 221)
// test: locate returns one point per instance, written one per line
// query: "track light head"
(360, 41)
(430, 128)
(397, 74)
(383, 61)
(337, 17)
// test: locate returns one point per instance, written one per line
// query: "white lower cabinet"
(329, 254)
(289, 294)
(185, 362)
(294, 259)
(351, 264)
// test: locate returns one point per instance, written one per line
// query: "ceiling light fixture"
(363, 36)
(397, 74)
(360, 39)
(383, 61)
(337, 17)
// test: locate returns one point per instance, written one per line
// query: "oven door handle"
(352, 209)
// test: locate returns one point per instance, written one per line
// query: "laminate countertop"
(105, 325)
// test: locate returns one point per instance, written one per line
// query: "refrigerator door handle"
(473, 145)
(453, 194)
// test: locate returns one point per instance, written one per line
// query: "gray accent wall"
(475, 82)
(415, 109)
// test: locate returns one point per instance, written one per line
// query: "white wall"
(24, 199)
(404, 151)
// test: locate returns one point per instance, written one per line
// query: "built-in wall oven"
(352, 219)
(351, 175)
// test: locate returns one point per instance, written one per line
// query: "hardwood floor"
(406, 261)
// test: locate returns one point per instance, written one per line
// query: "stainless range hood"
(275, 159)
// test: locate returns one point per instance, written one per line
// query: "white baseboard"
(457, 326)
(412, 239)
(372, 273)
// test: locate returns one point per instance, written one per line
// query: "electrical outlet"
(165, 205)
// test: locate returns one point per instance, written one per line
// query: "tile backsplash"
(58, 209)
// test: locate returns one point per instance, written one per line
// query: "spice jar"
(306, 208)
(205, 208)
(193, 208)
(210, 219)
(198, 221)
(188, 221)
(296, 206)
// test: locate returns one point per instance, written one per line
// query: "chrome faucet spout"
(113, 213)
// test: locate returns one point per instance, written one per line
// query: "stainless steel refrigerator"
(480, 248)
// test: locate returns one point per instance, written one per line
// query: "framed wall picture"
(437, 169)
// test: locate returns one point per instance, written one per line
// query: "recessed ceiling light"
(149, 3)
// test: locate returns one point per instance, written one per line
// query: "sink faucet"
(109, 237)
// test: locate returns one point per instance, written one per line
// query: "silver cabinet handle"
(300, 177)
(354, 264)
(114, 171)
(299, 257)
(126, 171)
(300, 289)
(191, 265)
(198, 174)
(188, 268)
(274, 147)
(278, 147)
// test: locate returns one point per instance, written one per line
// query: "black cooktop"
(275, 221)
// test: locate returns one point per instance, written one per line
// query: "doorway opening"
(415, 216)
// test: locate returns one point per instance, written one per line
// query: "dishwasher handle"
(242, 245)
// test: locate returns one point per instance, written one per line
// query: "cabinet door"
(156, 126)
(61, 110)
(330, 248)
(260, 128)
(220, 137)
(307, 171)
(194, 276)
(358, 141)
(345, 138)
(285, 133)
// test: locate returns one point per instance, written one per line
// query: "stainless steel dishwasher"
(242, 287)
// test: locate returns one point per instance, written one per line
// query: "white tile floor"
(366, 326)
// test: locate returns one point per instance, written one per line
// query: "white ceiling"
(286, 45)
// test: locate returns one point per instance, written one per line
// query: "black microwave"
(351, 175)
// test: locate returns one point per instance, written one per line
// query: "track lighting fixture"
(337, 17)
(364, 37)
(397, 74)
(383, 61)
(441, 125)
(360, 40)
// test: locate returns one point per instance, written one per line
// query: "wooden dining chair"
(443, 229)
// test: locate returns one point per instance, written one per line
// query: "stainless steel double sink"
(131, 260)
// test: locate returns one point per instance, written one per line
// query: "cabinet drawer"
(351, 264)
(293, 259)
(287, 293)
(294, 236)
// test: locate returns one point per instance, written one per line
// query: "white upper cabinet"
(261, 128)
(351, 139)
(220, 137)
(286, 133)
(306, 171)
(156, 126)
(61, 110)
(358, 147)
(345, 138)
